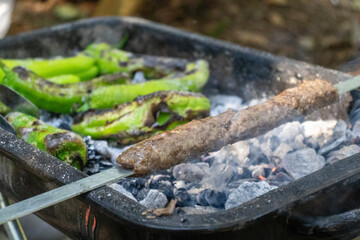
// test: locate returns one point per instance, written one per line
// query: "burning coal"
(238, 172)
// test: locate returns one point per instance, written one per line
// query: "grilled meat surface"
(210, 134)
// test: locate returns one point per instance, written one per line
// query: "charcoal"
(356, 132)
(179, 184)
(341, 136)
(303, 162)
(219, 175)
(139, 77)
(227, 178)
(221, 103)
(164, 186)
(247, 191)
(184, 198)
(255, 153)
(102, 148)
(241, 173)
(62, 121)
(46, 116)
(289, 131)
(311, 143)
(298, 142)
(106, 164)
(122, 190)
(235, 154)
(317, 132)
(91, 168)
(142, 194)
(204, 166)
(342, 153)
(134, 185)
(280, 179)
(209, 197)
(235, 184)
(339, 142)
(257, 170)
(155, 199)
(282, 150)
(269, 145)
(354, 114)
(188, 172)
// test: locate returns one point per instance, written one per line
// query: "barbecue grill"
(321, 205)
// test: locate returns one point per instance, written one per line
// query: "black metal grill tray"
(106, 214)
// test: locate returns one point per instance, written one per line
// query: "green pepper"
(111, 60)
(65, 145)
(79, 64)
(60, 98)
(143, 117)
(64, 79)
(42, 93)
(193, 79)
(72, 78)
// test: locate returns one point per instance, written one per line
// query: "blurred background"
(324, 32)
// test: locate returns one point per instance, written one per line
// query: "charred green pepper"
(143, 117)
(42, 93)
(193, 79)
(111, 60)
(80, 65)
(65, 145)
(50, 96)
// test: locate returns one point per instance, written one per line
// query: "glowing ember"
(261, 178)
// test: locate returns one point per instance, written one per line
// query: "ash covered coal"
(239, 172)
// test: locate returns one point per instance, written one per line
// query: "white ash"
(219, 175)
(139, 77)
(221, 103)
(303, 162)
(234, 154)
(155, 199)
(247, 191)
(282, 150)
(318, 131)
(103, 148)
(188, 171)
(342, 153)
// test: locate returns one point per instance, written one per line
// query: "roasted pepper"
(72, 78)
(80, 65)
(143, 117)
(65, 145)
(111, 60)
(64, 79)
(193, 79)
(50, 96)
